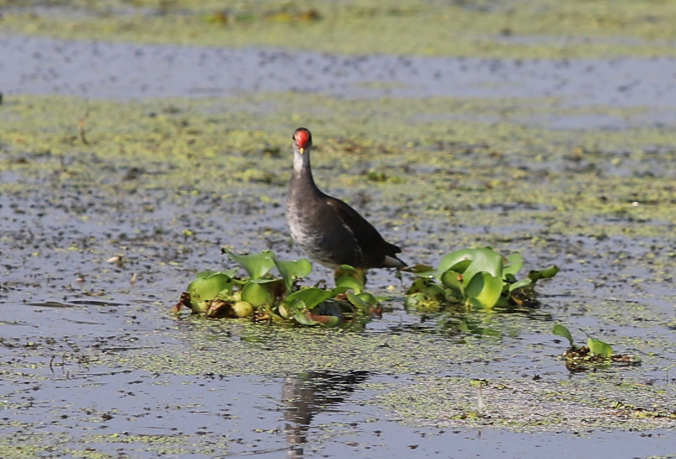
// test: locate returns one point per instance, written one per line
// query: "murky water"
(127, 71)
(67, 306)
(123, 413)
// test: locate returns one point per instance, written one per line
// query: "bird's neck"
(302, 173)
(301, 162)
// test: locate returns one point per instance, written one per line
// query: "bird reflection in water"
(307, 394)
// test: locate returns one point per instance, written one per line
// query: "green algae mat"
(506, 28)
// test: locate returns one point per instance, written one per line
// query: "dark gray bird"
(328, 230)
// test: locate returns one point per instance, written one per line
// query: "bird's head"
(302, 140)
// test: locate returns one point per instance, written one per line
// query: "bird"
(328, 230)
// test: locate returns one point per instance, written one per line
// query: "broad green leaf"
(435, 291)
(310, 297)
(358, 302)
(503, 302)
(300, 314)
(418, 285)
(543, 274)
(514, 264)
(598, 347)
(204, 274)
(476, 304)
(208, 285)
(369, 298)
(458, 260)
(290, 270)
(483, 260)
(560, 330)
(268, 280)
(453, 280)
(347, 276)
(256, 265)
(283, 310)
(519, 284)
(339, 290)
(232, 272)
(485, 289)
(256, 294)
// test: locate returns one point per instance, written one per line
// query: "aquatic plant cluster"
(477, 278)
(471, 278)
(271, 299)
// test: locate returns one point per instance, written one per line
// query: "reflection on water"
(307, 394)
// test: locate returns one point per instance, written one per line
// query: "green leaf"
(257, 265)
(484, 260)
(208, 285)
(519, 284)
(358, 302)
(514, 264)
(458, 260)
(453, 280)
(598, 347)
(543, 274)
(560, 330)
(300, 314)
(503, 302)
(310, 297)
(369, 298)
(232, 272)
(256, 294)
(204, 274)
(435, 291)
(290, 270)
(418, 285)
(485, 289)
(347, 276)
(267, 280)
(468, 262)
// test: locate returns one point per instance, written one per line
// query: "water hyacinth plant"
(478, 277)
(270, 298)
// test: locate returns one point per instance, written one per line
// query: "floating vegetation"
(595, 354)
(472, 277)
(477, 277)
(270, 299)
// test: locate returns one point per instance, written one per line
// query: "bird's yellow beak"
(302, 150)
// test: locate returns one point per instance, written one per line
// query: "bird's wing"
(369, 240)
